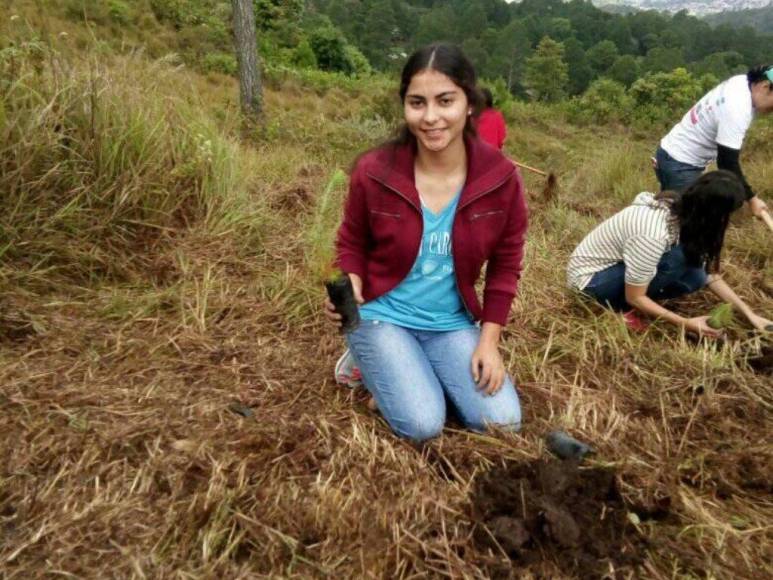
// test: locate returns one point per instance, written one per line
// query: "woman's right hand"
(700, 326)
(330, 310)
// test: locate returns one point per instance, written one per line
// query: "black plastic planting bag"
(341, 295)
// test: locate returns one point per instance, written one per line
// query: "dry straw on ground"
(123, 456)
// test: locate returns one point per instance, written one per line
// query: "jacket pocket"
(385, 213)
(485, 227)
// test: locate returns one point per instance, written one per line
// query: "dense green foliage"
(543, 50)
(593, 38)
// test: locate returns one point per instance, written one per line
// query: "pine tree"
(546, 72)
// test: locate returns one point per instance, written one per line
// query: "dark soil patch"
(754, 473)
(763, 364)
(555, 510)
(15, 326)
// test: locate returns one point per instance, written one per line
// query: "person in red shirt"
(491, 124)
(423, 215)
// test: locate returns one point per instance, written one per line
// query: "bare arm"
(637, 297)
(719, 287)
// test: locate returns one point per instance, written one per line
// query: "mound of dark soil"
(763, 364)
(553, 509)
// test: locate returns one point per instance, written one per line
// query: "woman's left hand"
(488, 370)
(761, 323)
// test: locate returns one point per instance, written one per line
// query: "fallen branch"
(533, 169)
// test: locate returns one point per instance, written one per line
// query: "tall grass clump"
(99, 162)
(616, 174)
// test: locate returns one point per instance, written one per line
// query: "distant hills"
(760, 19)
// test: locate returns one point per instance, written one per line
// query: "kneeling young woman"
(661, 247)
(423, 214)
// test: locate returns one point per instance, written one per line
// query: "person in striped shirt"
(661, 247)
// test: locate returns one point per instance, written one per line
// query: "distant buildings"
(696, 7)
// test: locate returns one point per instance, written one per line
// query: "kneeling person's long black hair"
(703, 212)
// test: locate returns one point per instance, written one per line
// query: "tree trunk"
(250, 88)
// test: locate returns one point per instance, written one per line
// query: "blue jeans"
(410, 373)
(675, 175)
(674, 278)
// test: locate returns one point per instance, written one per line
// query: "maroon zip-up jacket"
(382, 227)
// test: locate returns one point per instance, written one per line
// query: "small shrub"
(303, 55)
(220, 62)
(604, 101)
(658, 95)
(119, 12)
(334, 54)
(358, 62)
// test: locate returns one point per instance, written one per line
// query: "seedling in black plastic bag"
(320, 253)
(341, 294)
(565, 446)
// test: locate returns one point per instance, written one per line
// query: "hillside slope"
(166, 398)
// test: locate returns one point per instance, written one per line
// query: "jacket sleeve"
(504, 265)
(353, 234)
(729, 159)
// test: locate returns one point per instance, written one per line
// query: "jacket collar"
(487, 168)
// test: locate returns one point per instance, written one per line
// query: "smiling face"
(436, 110)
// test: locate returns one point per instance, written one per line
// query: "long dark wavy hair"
(703, 213)
(449, 60)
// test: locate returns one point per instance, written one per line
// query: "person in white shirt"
(661, 247)
(714, 129)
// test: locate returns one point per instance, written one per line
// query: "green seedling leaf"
(721, 316)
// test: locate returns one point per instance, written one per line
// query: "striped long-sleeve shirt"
(638, 236)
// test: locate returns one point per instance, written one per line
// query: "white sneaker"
(346, 371)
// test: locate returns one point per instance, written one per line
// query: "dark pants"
(674, 175)
(674, 278)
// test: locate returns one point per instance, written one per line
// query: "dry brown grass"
(121, 456)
